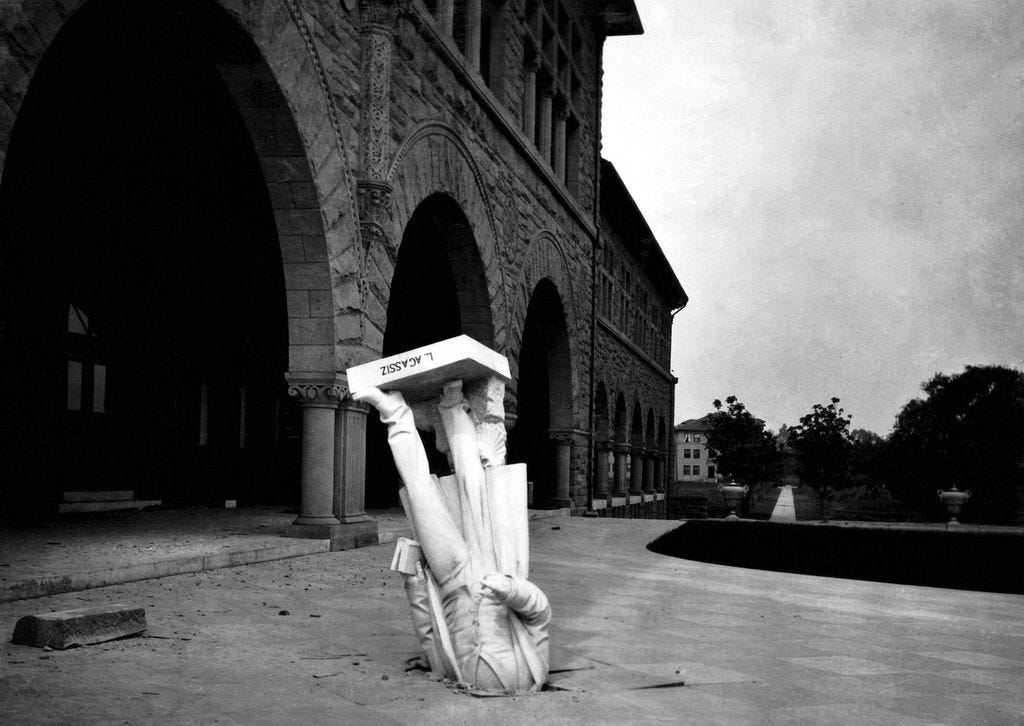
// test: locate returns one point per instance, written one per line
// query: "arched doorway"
(543, 394)
(143, 293)
(438, 291)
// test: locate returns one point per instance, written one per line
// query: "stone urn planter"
(954, 499)
(733, 494)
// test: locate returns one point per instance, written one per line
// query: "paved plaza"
(637, 638)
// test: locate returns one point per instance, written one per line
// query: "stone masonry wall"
(527, 225)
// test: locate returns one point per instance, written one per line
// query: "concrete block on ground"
(81, 626)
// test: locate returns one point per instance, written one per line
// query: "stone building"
(209, 209)
(693, 462)
(637, 297)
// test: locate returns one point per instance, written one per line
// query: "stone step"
(108, 496)
(110, 506)
(81, 626)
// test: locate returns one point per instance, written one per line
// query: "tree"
(967, 432)
(741, 447)
(823, 446)
(868, 458)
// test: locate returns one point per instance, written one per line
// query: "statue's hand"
(498, 587)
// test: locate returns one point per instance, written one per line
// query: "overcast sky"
(838, 186)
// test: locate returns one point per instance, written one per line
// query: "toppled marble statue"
(480, 621)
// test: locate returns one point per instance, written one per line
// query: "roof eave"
(621, 18)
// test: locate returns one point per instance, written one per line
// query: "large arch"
(545, 261)
(299, 179)
(433, 163)
(439, 287)
(543, 433)
(438, 290)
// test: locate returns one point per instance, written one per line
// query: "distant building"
(691, 445)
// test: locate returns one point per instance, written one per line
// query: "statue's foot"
(388, 404)
(451, 394)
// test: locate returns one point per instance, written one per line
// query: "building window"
(686, 470)
(87, 374)
(696, 471)
(606, 290)
(711, 471)
(552, 103)
(492, 45)
(686, 438)
(697, 438)
(696, 453)
(686, 453)
(478, 29)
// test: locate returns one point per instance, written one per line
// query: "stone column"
(621, 451)
(350, 462)
(563, 440)
(473, 20)
(318, 401)
(601, 470)
(530, 98)
(659, 471)
(446, 15)
(544, 136)
(636, 471)
(649, 472)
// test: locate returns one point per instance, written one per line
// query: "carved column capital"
(347, 403)
(562, 436)
(379, 15)
(620, 448)
(317, 394)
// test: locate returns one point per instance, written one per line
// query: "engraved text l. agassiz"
(401, 365)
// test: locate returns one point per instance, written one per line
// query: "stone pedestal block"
(356, 534)
(82, 626)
